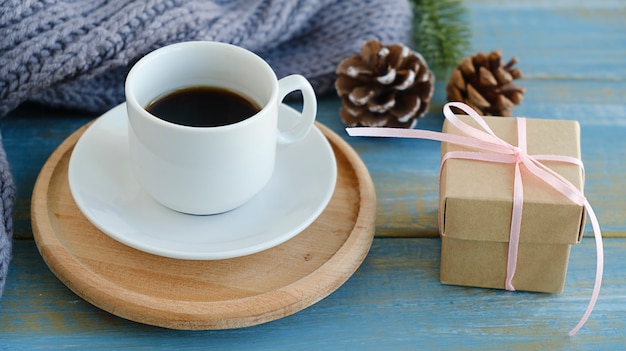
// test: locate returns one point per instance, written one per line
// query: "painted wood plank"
(565, 39)
(404, 171)
(394, 301)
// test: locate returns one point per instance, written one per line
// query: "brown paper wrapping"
(476, 204)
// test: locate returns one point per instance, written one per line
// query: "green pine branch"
(441, 33)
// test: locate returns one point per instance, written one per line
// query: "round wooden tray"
(197, 295)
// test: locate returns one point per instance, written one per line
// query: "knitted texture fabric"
(7, 195)
(76, 53)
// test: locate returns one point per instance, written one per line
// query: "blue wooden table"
(573, 56)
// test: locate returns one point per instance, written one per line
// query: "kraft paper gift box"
(476, 205)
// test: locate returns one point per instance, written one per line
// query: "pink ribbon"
(494, 149)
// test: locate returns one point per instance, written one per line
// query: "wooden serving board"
(197, 295)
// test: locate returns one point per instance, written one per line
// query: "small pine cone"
(384, 86)
(483, 83)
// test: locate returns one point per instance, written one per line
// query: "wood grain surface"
(214, 294)
(393, 302)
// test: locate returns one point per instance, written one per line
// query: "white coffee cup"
(209, 170)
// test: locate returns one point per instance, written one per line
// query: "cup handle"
(296, 130)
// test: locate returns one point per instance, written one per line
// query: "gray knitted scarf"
(76, 53)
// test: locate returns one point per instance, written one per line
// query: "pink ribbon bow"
(494, 149)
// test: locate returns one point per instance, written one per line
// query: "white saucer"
(109, 196)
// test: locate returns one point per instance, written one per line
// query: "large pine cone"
(384, 86)
(483, 83)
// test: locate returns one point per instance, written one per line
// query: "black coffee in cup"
(203, 106)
